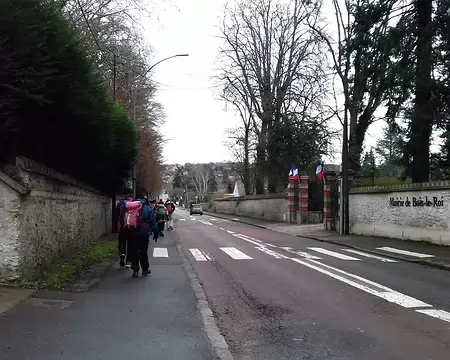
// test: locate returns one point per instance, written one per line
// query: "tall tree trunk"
(246, 177)
(261, 149)
(421, 125)
(358, 130)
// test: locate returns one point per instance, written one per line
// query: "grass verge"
(73, 268)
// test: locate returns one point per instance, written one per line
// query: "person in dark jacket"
(139, 242)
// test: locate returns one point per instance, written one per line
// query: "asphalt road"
(277, 296)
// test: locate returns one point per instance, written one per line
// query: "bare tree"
(201, 176)
(268, 53)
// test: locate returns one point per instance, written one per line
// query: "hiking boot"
(146, 272)
(135, 274)
(122, 260)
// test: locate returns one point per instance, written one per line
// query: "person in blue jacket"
(138, 251)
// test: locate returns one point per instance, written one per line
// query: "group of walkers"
(137, 221)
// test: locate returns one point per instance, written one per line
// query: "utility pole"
(345, 185)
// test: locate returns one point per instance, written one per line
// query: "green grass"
(60, 274)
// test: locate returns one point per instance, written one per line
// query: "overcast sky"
(196, 120)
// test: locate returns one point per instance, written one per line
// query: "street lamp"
(142, 78)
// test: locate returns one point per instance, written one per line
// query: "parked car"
(196, 209)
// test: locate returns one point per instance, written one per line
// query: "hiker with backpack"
(170, 206)
(123, 232)
(140, 220)
(161, 216)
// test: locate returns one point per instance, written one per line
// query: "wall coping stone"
(8, 180)
(432, 185)
(29, 165)
(255, 197)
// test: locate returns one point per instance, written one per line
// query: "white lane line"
(438, 314)
(221, 228)
(230, 232)
(383, 259)
(404, 252)
(160, 252)
(235, 253)
(182, 219)
(332, 253)
(192, 218)
(213, 219)
(364, 284)
(235, 219)
(200, 255)
(302, 254)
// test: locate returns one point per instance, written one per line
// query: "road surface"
(277, 296)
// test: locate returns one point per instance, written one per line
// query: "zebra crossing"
(280, 252)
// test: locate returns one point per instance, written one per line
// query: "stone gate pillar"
(303, 199)
(293, 184)
(328, 194)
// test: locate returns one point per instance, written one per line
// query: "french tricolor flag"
(293, 172)
(320, 171)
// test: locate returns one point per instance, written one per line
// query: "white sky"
(196, 120)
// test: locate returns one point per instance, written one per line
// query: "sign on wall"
(420, 201)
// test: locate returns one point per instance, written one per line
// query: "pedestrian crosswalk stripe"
(200, 255)
(404, 252)
(332, 253)
(235, 253)
(160, 252)
(383, 259)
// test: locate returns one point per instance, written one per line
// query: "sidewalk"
(154, 317)
(439, 256)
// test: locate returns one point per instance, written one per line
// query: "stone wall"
(270, 207)
(46, 216)
(411, 212)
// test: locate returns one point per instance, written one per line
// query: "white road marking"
(364, 284)
(235, 219)
(230, 232)
(205, 222)
(182, 219)
(192, 218)
(438, 314)
(200, 255)
(160, 252)
(255, 241)
(383, 259)
(334, 254)
(213, 219)
(404, 252)
(271, 252)
(235, 253)
(221, 228)
(302, 254)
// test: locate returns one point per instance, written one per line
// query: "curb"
(419, 261)
(216, 339)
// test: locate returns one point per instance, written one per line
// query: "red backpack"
(133, 215)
